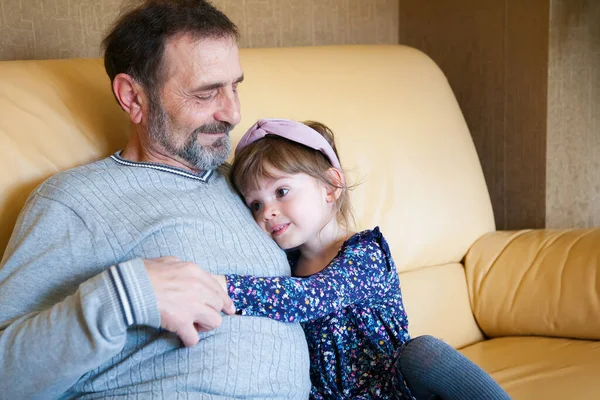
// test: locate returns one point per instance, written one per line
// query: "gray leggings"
(433, 369)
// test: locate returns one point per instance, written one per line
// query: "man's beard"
(202, 157)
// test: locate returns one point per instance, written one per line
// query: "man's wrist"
(123, 296)
(138, 292)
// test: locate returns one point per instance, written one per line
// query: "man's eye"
(281, 192)
(205, 96)
(255, 206)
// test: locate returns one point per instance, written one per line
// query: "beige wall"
(36, 29)
(573, 162)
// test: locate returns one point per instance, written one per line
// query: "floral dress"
(352, 314)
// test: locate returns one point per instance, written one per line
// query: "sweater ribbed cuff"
(134, 293)
(120, 297)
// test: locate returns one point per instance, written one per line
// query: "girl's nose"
(270, 212)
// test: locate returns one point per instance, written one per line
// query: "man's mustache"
(216, 127)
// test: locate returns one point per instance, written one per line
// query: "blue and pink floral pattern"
(352, 315)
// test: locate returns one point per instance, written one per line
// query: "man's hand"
(189, 299)
(222, 281)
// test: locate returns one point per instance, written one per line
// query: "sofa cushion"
(542, 282)
(541, 368)
(437, 303)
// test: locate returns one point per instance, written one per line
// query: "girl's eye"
(255, 206)
(281, 192)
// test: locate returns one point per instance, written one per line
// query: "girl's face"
(292, 209)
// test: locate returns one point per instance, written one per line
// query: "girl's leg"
(433, 369)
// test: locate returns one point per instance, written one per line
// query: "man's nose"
(229, 108)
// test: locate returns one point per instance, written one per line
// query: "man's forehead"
(212, 58)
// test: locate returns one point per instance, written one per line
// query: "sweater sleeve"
(62, 314)
(356, 275)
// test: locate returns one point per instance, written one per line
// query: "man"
(101, 282)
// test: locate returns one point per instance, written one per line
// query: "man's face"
(192, 113)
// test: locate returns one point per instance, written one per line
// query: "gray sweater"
(78, 317)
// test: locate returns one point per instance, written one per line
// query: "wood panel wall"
(495, 55)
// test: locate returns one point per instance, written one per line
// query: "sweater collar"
(203, 177)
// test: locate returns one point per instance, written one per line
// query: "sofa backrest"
(401, 137)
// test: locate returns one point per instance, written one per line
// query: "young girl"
(345, 290)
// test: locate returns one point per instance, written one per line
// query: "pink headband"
(291, 130)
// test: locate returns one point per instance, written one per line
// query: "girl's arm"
(360, 273)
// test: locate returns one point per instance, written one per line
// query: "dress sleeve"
(358, 273)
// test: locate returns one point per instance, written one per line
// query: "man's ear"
(130, 96)
(334, 193)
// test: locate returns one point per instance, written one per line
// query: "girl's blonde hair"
(272, 154)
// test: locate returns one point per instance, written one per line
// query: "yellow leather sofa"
(523, 305)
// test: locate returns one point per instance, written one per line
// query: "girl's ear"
(337, 178)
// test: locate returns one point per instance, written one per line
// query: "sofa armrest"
(536, 282)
